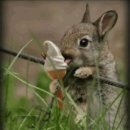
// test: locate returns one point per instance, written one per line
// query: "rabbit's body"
(85, 45)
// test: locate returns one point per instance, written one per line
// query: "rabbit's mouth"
(72, 61)
(68, 59)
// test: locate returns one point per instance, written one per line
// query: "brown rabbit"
(86, 50)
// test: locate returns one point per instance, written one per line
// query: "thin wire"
(41, 61)
(23, 56)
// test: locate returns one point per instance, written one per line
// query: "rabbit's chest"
(78, 90)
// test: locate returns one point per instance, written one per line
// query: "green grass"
(23, 114)
(28, 115)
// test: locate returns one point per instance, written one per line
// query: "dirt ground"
(48, 20)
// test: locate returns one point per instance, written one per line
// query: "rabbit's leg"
(84, 72)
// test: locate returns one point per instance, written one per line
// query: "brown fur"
(95, 59)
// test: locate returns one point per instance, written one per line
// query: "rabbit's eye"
(84, 42)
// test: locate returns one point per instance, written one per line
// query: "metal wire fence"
(41, 61)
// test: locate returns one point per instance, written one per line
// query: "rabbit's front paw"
(83, 72)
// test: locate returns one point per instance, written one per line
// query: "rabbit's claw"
(83, 72)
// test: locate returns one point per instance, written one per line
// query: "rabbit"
(86, 51)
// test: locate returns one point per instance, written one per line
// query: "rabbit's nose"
(70, 54)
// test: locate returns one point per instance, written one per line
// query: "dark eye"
(83, 42)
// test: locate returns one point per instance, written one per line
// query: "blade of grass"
(30, 85)
(120, 122)
(50, 128)
(16, 57)
(24, 120)
(118, 109)
(40, 98)
(36, 40)
(73, 103)
(96, 121)
(27, 75)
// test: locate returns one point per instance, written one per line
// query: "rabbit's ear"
(86, 17)
(106, 22)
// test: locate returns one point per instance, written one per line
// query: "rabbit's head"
(83, 42)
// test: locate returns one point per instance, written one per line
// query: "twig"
(41, 61)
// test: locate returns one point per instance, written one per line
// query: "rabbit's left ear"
(106, 22)
(86, 16)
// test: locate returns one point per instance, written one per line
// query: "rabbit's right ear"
(106, 22)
